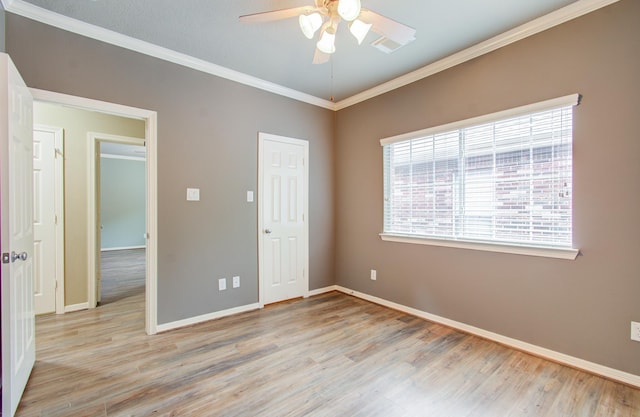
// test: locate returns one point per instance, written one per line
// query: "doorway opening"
(117, 210)
(85, 294)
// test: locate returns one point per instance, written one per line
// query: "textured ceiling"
(278, 52)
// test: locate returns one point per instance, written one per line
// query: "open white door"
(16, 158)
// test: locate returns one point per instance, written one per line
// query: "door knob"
(21, 256)
(267, 231)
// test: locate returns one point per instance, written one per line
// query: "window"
(502, 179)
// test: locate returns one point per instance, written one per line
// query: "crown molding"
(59, 21)
(555, 18)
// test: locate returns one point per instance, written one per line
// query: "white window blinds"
(502, 178)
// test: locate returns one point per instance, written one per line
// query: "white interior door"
(18, 319)
(44, 221)
(283, 219)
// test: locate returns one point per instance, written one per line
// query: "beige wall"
(582, 308)
(76, 124)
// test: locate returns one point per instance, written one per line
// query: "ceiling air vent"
(386, 45)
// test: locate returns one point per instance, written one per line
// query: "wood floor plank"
(329, 355)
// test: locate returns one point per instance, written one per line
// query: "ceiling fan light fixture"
(359, 30)
(310, 23)
(327, 42)
(349, 9)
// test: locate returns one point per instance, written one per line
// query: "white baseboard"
(581, 364)
(122, 248)
(205, 317)
(76, 307)
(224, 313)
(322, 291)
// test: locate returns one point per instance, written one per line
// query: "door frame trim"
(92, 207)
(151, 139)
(58, 134)
(262, 137)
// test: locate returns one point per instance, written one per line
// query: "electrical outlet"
(222, 284)
(374, 275)
(193, 194)
(635, 331)
(236, 282)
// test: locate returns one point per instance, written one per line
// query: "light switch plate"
(249, 196)
(222, 284)
(635, 331)
(193, 194)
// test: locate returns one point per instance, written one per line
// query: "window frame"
(501, 247)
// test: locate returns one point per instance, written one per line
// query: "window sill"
(558, 253)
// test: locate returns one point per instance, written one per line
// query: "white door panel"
(283, 225)
(44, 223)
(18, 323)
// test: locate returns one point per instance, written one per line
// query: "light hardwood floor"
(122, 274)
(329, 355)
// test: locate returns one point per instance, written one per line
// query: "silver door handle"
(21, 256)
(267, 231)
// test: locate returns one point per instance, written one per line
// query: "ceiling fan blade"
(320, 57)
(277, 14)
(389, 28)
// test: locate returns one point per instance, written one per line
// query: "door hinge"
(55, 219)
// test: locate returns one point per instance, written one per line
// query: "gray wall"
(582, 308)
(207, 138)
(122, 203)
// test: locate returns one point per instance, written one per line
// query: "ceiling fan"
(326, 15)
